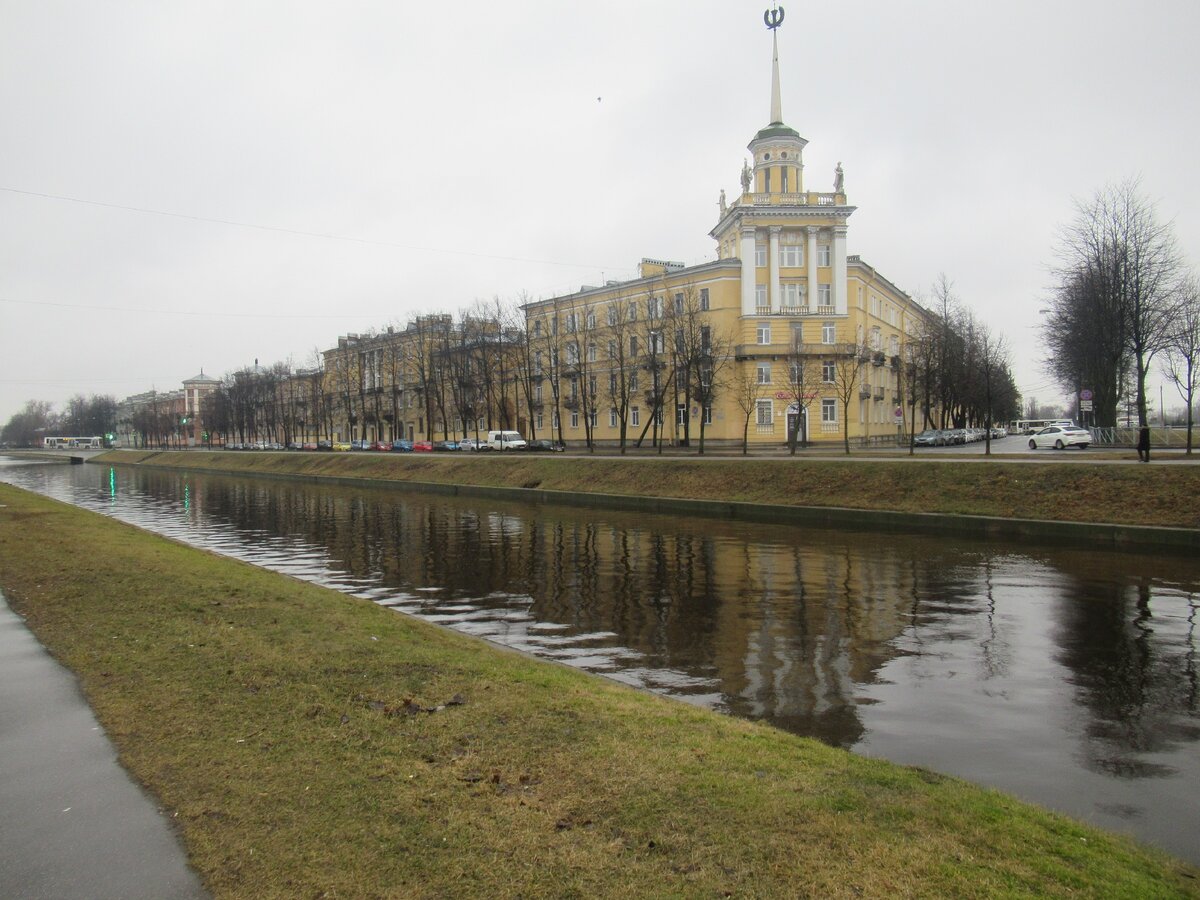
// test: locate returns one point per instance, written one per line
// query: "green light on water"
(187, 497)
(112, 482)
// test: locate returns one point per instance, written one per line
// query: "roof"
(777, 130)
(205, 379)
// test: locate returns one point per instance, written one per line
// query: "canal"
(1068, 677)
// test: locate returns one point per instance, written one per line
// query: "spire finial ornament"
(773, 18)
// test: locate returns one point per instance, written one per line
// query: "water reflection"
(1066, 676)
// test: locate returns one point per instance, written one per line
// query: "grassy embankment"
(1056, 491)
(309, 744)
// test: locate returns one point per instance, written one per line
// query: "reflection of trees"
(786, 625)
(1130, 644)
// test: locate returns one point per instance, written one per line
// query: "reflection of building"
(808, 330)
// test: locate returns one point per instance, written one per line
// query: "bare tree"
(1118, 252)
(746, 392)
(805, 370)
(848, 360)
(1183, 350)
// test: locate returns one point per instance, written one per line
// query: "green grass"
(285, 729)
(1056, 491)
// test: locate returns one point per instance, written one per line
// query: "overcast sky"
(194, 185)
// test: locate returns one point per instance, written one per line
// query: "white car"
(1060, 437)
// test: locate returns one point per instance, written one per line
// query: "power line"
(203, 314)
(301, 233)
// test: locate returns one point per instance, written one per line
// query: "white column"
(810, 262)
(748, 273)
(776, 293)
(839, 270)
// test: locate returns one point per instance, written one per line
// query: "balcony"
(796, 311)
(878, 393)
(809, 198)
(864, 393)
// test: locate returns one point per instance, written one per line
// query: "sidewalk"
(73, 823)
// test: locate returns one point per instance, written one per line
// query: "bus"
(1027, 426)
(73, 443)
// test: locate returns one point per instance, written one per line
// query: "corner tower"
(791, 241)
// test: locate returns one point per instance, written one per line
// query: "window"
(574, 419)
(554, 421)
(635, 416)
(894, 345)
(591, 352)
(706, 375)
(537, 328)
(571, 323)
(612, 349)
(633, 345)
(765, 412)
(791, 255)
(828, 371)
(633, 380)
(760, 254)
(876, 338)
(705, 339)
(823, 255)
(679, 304)
(612, 314)
(574, 388)
(704, 299)
(764, 332)
(874, 305)
(760, 296)
(764, 373)
(612, 383)
(541, 421)
(827, 333)
(793, 294)
(591, 321)
(591, 385)
(794, 373)
(654, 309)
(632, 310)
(679, 341)
(783, 177)
(537, 393)
(824, 295)
(680, 414)
(708, 415)
(829, 411)
(592, 416)
(572, 354)
(656, 342)
(612, 417)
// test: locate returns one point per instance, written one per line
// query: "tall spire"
(776, 102)
(774, 18)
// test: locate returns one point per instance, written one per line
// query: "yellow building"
(792, 333)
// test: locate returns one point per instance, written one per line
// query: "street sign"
(1085, 395)
(1085, 405)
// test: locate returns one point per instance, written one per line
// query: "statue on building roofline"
(839, 180)
(724, 206)
(747, 175)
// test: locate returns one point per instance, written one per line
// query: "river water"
(1065, 676)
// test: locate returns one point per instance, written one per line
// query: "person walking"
(1143, 445)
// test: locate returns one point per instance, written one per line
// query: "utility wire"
(301, 233)
(203, 314)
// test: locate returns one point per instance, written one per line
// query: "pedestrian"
(1144, 444)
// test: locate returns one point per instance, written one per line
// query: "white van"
(506, 440)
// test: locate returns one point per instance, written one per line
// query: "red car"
(381, 446)
(422, 446)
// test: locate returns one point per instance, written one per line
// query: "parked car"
(1060, 437)
(309, 445)
(325, 445)
(342, 446)
(930, 438)
(443, 446)
(999, 432)
(360, 444)
(423, 447)
(402, 446)
(474, 444)
(380, 446)
(544, 446)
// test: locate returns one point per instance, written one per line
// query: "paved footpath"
(73, 824)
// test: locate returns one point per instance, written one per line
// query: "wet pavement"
(73, 824)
